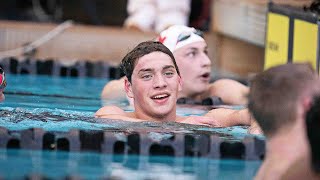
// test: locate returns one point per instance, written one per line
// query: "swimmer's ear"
(128, 87)
(307, 103)
(180, 83)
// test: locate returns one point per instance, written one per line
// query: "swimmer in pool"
(153, 81)
(2, 84)
(279, 100)
(190, 51)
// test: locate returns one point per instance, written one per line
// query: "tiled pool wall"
(83, 68)
(134, 143)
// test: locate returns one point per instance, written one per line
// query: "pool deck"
(75, 42)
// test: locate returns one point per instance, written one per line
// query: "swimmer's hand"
(254, 128)
(201, 120)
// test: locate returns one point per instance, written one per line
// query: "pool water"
(96, 166)
(61, 104)
(77, 94)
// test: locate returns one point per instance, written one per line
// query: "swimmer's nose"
(159, 82)
(205, 61)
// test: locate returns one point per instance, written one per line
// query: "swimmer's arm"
(231, 92)
(199, 120)
(114, 112)
(230, 117)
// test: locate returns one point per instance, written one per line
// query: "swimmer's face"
(195, 67)
(155, 85)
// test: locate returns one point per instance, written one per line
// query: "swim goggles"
(3, 82)
(185, 35)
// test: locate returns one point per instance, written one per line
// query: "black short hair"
(129, 61)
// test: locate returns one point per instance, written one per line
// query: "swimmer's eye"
(146, 76)
(192, 54)
(169, 74)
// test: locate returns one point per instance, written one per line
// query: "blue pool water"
(61, 104)
(96, 166)
(77, 94)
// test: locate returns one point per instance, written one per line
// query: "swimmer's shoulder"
(110, 110)
(230, 91)
(180, 118)
(114, 90)
(223, 84)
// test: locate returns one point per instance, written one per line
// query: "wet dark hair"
(313, 132)
(129, 61)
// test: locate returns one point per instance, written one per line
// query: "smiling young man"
(153, 84)
(153, 81)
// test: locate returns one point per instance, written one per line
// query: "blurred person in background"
(191, 53)
(279, 100)
(156, 15)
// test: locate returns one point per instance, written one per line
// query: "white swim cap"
(178, 36)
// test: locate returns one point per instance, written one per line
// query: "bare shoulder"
(116, 113)
(231, 91)
(114, 84)
(227, 83)
(109, 110)
(114, 89)
(180, 118)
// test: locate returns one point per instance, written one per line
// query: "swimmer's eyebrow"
(145, 70)
(193, 48)
(152, 70)
(168, 67)
(196, 48)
